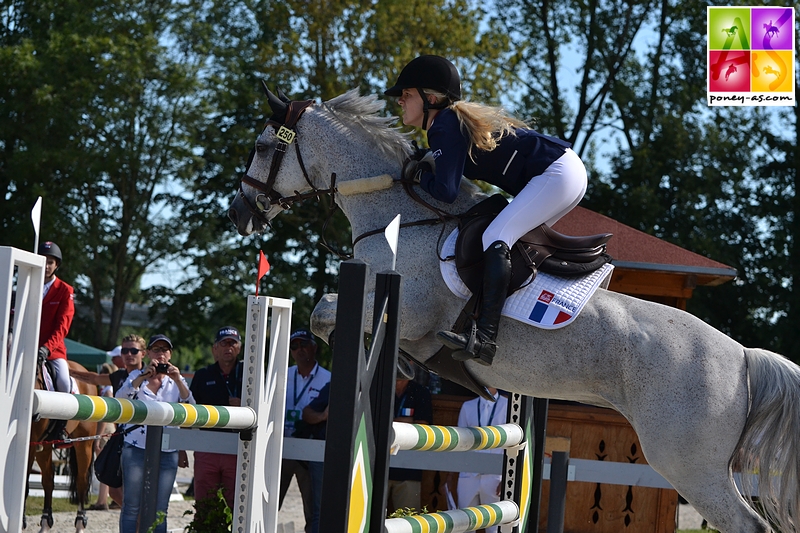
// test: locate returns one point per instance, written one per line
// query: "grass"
(35, 504)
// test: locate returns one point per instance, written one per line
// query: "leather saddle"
(541, 249)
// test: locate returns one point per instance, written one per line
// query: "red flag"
(263, 268)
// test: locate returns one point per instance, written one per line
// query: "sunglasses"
(160, 350)
(132, 351)
(228, 342)
(297, 345)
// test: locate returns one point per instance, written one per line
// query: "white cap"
(115, 352)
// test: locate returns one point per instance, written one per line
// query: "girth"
(541, 249)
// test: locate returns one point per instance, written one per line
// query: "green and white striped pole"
(457, 521)
(430, 438)
(64, 406)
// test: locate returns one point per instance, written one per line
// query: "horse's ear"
(283, 96)
(276, 104)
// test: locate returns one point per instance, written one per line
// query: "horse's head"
(259, 198)
(307, 151)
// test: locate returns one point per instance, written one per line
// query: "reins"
(268, 197)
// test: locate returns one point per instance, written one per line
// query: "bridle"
(286, 133)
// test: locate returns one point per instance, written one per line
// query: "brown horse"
(80, 458)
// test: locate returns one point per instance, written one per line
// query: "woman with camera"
(159, 381)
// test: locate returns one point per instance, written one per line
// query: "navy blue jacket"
(510, 166)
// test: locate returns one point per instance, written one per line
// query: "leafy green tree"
(112, 86)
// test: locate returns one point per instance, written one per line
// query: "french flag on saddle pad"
(549, 310)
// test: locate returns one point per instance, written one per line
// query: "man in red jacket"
(57, 312)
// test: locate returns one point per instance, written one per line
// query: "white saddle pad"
(550, 302)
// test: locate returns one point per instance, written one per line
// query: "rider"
(482, 142)
(57, 311)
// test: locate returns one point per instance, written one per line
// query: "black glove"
(44, 353)
(413, 169)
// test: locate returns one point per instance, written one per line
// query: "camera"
(162, 368)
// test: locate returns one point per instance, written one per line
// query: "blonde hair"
(133, 337)
(484, 125)
(108, 368)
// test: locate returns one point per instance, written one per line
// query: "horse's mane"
(351, 109)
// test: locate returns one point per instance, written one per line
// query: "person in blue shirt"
(481, 142)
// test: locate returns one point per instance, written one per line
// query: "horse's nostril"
(234, 216)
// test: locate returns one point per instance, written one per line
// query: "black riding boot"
(478, 341)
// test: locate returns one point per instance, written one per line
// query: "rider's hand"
(44, 353)
(412, 169)
(427, 159)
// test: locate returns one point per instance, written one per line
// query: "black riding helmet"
(432, 72)
(51, 249)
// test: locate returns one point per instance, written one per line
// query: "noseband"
(286, 134)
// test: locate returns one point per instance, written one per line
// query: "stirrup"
(471, 345)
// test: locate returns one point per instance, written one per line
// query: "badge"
(292, 415)
(285, 134)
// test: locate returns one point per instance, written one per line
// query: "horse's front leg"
(45, 460)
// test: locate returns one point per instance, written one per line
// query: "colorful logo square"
(751, 54)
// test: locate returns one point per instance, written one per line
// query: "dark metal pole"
(348, 362)
(559, 466)
(540, 407)
(382, 393)
(152, 470)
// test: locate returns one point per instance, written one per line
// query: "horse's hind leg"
(717, 500)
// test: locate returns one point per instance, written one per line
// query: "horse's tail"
(770, 443)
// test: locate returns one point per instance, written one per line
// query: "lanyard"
(227, 378)
(298, 396)
(491, 416)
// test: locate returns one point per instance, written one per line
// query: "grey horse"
(699, 401)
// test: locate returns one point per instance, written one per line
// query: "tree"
(118, 105)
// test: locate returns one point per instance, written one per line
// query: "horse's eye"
(261, 147)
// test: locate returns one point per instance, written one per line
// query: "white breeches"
(544, 200)
(477, 490)
(61, 379)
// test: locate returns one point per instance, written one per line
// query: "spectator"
(116, 356)
(132, 355)
(304, 381)
(468, 488)
(315, 415)
(218, 384)
(103, 428)
(160, 381)
(412, 404)
(58, 308)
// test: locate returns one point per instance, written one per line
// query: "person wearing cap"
(159, 381)
(481, 142)
(58, 309)
(304, 381)
(116, 356)
(218, 384)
